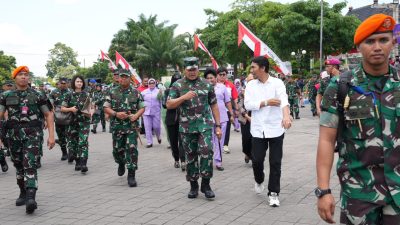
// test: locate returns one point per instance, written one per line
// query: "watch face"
(318, 192)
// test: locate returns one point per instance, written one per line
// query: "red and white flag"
(111, 64)
(199, 44)
(260, 48)
(124, 64)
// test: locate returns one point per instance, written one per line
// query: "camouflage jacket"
(98, 99)
(195, 114)
(292, 90)
(19, 124)
(369, 159)
(312, 90)
(124, 100)
(77, 99)
(323, 84)
(57, 96)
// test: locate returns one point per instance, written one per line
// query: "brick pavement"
(101, 197)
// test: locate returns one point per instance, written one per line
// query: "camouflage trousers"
(41, 143)
(61, 131)
(313, 104)
(125, 148)
(97, 118)
(24, 154)
(199, 153)
(358, 212)
(77, 142)
(294, 105)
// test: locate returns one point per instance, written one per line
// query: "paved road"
(101, 197)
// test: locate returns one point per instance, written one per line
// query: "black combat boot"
(3, 163)
(64, 154)
(78, 164)
(31, 204)
(121, 169)
(84, 167)
(194, 189)
(297, 116)
(94, 130)
(206, 189)
(39, 163)
(104, 129)
(131, 178)
(22, 193)
(71, 156)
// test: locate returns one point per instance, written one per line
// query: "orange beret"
(377, 23)
(18, 70)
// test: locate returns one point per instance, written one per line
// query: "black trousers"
(174, 139)
(228, 131)
(259, 150)
(246, 139)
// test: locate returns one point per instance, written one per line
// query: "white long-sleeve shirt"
(266, 122)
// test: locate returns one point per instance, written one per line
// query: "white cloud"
(12, 34)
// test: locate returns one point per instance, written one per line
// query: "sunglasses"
(152, 83)
(222, 74)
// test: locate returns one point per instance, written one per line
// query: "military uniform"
(98, 101)
(292, 91)
(124, 132)
(369, 158)
(57, 97)
(3, 161)
(78, 129)
(323, 84)
(312, 94)
(195, 126)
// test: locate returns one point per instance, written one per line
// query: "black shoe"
(84, 167)
(149, 146)
(39, 163)
(64, 154)
(71, 156)
(78, 166)
(31, 204)
(246, 159)
(93, 131)
(168, 147)
(131, 178)
(159, 141)
(219, 168)
(121, 169)
(104, 129)
(176, 164)
(57, 141)
(297, 116)
(194, 189)
(183, 166)
(21, 198)
(4, 165)
(206, 189)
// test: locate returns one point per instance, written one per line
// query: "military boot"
(38, 162)
(78, 164)
(71, 156)
(104, 129)
(3, 163)
(194, 189)
(84, 167)
(94, 130)
(121, 169)
(131, 178)
(22, 193)
(64, 154)
(31, 204)
(206, 189)
(297, 116)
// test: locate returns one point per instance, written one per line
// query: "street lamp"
(298, 56)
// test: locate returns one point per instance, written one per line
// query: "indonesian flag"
(124, 64)
(259, 47)
(111, 64)
(199, 44)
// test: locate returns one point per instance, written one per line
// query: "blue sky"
(29, 28)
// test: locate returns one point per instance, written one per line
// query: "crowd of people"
(358, 112)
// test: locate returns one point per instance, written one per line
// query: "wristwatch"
(321, 192)
(218, 125)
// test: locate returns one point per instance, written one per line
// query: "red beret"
(378, 23)
(18, 70)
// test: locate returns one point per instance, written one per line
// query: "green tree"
(98, 70)
(61, 59)
(7, 64)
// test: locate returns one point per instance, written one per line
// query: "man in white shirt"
(267, 100)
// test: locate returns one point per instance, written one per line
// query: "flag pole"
(320, 36)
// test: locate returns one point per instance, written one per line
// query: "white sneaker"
(226, 149)
(273, 199)
(258, 188)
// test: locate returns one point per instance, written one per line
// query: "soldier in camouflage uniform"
(196, 99)
(7, 85)
(312, 94)
(293, 92)
(78, 130)
(98, 102)
(332, 70)
(369, 137)
(114, 84)
(24, 106)
(57, 97)
(125, 105)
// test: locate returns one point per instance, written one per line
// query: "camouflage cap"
(191, 63)
(123, 72)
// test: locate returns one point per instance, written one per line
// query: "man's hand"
(326, 208)
(73, 109)
(273, 102)
(133, 117)
(287, 122)
(318, 112)
(232, 119)
(189, 95)
(218, 132)
(121, 115)
(51, 142)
